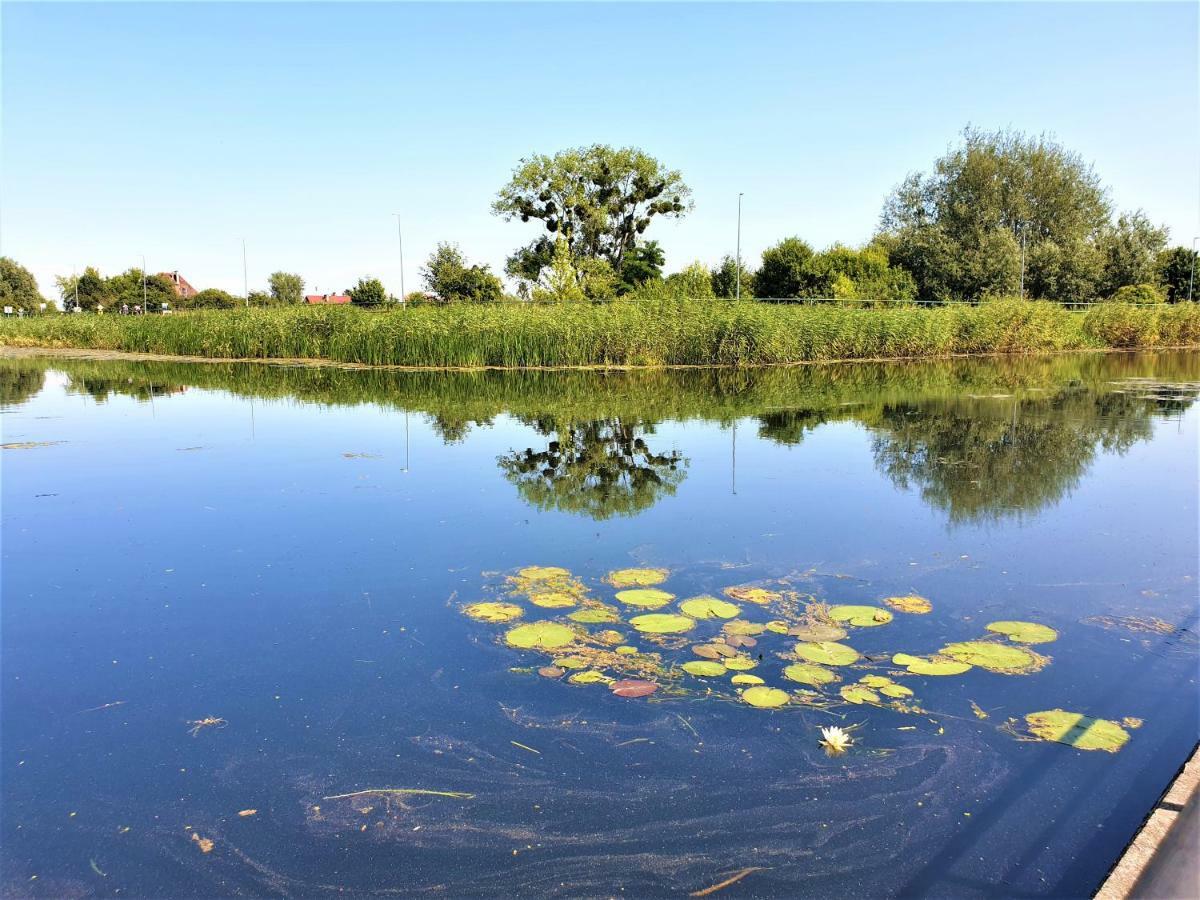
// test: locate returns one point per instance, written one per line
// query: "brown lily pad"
(633, 687)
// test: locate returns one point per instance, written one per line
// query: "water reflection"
(977, 439)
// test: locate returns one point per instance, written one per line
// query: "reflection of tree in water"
(100, 389)
(790, 426)
(600, 468)
(19, 383)
(988, 459)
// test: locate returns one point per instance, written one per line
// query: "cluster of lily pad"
(592, 644)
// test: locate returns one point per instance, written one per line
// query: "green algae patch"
(1004, 659)
(747, 594)
(709, 608)
(646, 598)
(628, 578)
(858, 693)
(827, 653)
(493, 612)
(743, 628)
(703, 667)
(1024, 632)
(807, 673)
(662, 623)
(742, 678)
(912, 603)
(860, 616)
(765, 697)
(1077, 730)
(595, 615)
(539, 636)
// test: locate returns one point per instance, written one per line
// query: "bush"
(1122, 325)
(1138, 293)
(209, 298)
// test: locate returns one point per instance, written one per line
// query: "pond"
(238, 659)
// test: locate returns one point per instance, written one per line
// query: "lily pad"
(703, 667)
(709, 608)
(494, 612)
(623, 578)
(860, 616)
(757, 595)
(647, 598)
(552, 671)
(633, 687)
(595, 615)
(743, 678)
(740, 664)
(551, 599)
(662, 623)
(1025, 632)
(707, 651)
(817, 631)
(627, 650)
(874, 681)
(807, 673)
(777, 626)
(589, 677)
(765, 697)
(572, 662)
(543, 573)
(1002, 658)
(827, 653)
(858, 693)
(909, 604)
(740, 640)
(540, 636)
(938, 665)
(610, 637)
(1077, 730)
(895, 691)
(742, 627)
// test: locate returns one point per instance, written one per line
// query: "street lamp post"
(144, 309)
(1192, 273)
(400, 241)
(738, 262)
(245, 276)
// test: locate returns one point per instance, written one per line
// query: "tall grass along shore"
(619, 334)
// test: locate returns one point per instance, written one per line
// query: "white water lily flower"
(835, 740)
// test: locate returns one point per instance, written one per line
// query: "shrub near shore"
(617, 334)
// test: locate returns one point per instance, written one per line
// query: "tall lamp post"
(738, 262)
(144, 310)
(1192, 273)
(400, 241)
(245, 276)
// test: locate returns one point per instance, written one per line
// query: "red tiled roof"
(327, 298)
(182, 288)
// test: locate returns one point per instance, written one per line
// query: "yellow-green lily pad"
(858, 693)
(742, 627)
(572, 662)
(777, 626)
(740, 664)
(860, 616)
(938, 665)
(743, 678)
(1077, 730)
(895, 690)
(827, 653)
(595, 615)
(543, 573)
(662, 623)
(817, 631)
(703, 667)
(494, 612)
(610, 637)
(765, 697)
(551, 599)
(647, 598)
(589, 677)
(757, 595)
(1002, 658)
(909, 604)
(540, 636)
(709, 608)
(807, 673)
(1025, 632)
(627, 650)
(623, 578)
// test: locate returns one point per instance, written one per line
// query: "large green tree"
(89, 290)
(369, 292)
(127, 288)
(448, 277)
(643, 262)
(725, 280)
(784, 271)
(599, 199)
(1176, 273)
(1129, 252)
(286, 287)
(210, 298)
(18, 287)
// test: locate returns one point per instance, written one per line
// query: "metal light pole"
(1192, 273)
(245, 276)
(144, 309)
(738, 261)
(400, 241)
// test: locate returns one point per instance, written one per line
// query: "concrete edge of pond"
(16, 351)
(1163, 859)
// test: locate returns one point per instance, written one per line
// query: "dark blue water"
(287, 550)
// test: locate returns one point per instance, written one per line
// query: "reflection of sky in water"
(209, 555)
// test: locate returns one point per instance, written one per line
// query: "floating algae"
(662, 623)
(706, 607)
(646, 598)
(860, 616)
(1024, 632)
(1077, 730)
(911, 603)
(765, 697)
(827, 653)
(624, 578)
(1004, 659)
(493, 612)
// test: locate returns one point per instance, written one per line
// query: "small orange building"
(182, 288)
(327, 298)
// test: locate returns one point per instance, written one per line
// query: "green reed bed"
(618, 334)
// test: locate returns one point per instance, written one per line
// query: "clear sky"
(177, 130)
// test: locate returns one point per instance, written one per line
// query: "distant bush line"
(617, 334)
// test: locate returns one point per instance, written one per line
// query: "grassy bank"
(619, 334)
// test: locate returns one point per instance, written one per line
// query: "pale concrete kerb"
(1123, 878)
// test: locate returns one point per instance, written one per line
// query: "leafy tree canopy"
(784, 271)
(448, 277)
(368, 292)
(1176, 268)
(18, 287)
(725, 280)
(210, 298)
(286, 287)
(643, 262)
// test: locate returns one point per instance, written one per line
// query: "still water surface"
(288, 551)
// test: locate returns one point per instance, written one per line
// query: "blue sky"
(177, 130)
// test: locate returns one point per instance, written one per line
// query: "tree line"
(999, 214)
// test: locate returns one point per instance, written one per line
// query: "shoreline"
(8, 351)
